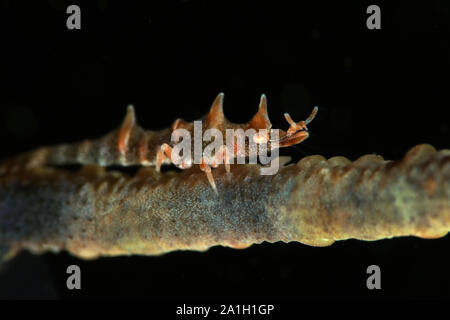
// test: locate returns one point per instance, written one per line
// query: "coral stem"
(96, 212)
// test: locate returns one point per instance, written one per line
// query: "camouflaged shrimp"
(132, 145)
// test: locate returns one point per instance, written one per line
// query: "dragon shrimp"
(131, 145)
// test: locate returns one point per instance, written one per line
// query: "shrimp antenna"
(312, 115)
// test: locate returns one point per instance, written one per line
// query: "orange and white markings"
(167, 150)
(301, 125)
(164, 152)
(143, 150)
(216, 117)
(297, 131)
(219, 157)
(261, 137)
(227, 160)
(176, 124)
(131, 145)
(185, 164)
(207, 169)
(261, 119)
(125, 130)
(159, 160)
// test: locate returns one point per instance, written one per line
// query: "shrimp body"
(131, 145)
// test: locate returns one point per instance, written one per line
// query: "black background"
(378, 91)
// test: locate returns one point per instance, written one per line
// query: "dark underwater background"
(378, 91)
